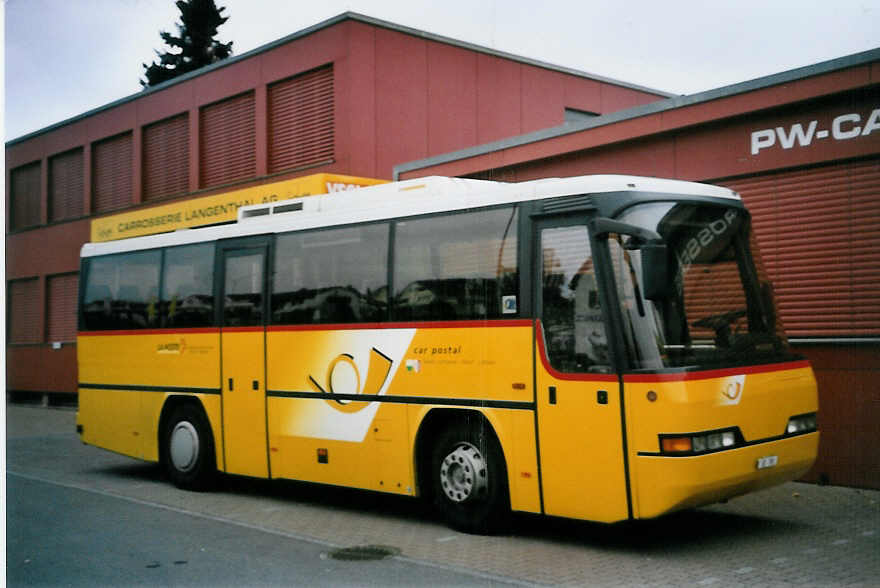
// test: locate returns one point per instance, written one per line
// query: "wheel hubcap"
(463, 473)
(184, 448)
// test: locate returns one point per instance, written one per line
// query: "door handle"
(256, 385)
(231, 386)
(552, 391)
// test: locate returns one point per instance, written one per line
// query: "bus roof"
(400, 199)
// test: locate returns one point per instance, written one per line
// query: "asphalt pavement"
(68, 502)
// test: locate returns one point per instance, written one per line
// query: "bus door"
(243, 357)
(580, 435)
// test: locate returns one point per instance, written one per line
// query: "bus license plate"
(767, 462)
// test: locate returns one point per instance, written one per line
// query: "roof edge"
(799, 73)
(353, 16)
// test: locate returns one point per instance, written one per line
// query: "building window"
(166, 157)
(62, 302)
(66, 185)
(227, 141)
(25, 197)
(24, 311)
(301, 124)
(112, 173)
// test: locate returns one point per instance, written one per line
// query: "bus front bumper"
(666, 484)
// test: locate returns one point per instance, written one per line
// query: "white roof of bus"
(398, 199)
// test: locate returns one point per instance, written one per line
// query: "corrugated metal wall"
(166, 157)
(112, 173)
(819, 233)
(227, 139)
(66, 185)
(300, 112)
(25, 198)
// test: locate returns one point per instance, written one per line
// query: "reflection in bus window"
(573, 329)
(331, 276)
(188, 286)
(122, 292)
(456, 266)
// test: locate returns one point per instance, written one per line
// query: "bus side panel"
(316, 437)
(123, 378)
(111, 419)
(758, 400)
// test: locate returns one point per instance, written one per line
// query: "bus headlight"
(804, 423)
(697, 443)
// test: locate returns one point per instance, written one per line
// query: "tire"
(188, 449)
(469, 478)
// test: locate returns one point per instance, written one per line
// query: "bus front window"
(718, 308)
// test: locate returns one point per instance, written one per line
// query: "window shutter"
(24, 311)
(166, 158)
(111, 173)
(227, 141)
(66, 185)
(301, 125)
(62, 306)
(25, 197)
(818, 230)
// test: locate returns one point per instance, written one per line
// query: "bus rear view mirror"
(655, 271)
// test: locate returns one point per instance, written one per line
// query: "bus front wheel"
(469, 479)
(189, 449)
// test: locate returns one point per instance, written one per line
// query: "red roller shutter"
(111, 173)
(301, 122)
(166, 157)
(226, 133)
(25, 197)
(819, 232)
(66, 185)
(62, 307)
(24, 311)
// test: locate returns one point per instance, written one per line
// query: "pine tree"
(194, 45)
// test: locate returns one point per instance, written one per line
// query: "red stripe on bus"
(719, 373)
(190, 331)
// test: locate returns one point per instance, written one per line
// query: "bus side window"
(573, 327)
(188, 286)
(456, 266)
(122, 291)
(331, 276)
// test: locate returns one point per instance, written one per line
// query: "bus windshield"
(718, 308)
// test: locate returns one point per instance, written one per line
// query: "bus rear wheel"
(469, 479)
(188, 449)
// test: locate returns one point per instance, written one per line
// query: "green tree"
(194, 45)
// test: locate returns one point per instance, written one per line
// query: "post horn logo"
(343, 381)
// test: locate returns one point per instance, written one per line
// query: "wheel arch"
(436, 420)
(171, 404)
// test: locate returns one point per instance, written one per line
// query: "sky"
(64, 57)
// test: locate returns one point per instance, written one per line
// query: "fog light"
(804, 423)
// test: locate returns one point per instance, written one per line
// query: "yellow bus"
(601, 348)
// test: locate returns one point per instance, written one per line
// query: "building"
(358, 96)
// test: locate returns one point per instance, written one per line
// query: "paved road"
(281, 532)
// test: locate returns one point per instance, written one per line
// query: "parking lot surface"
(793, 534)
